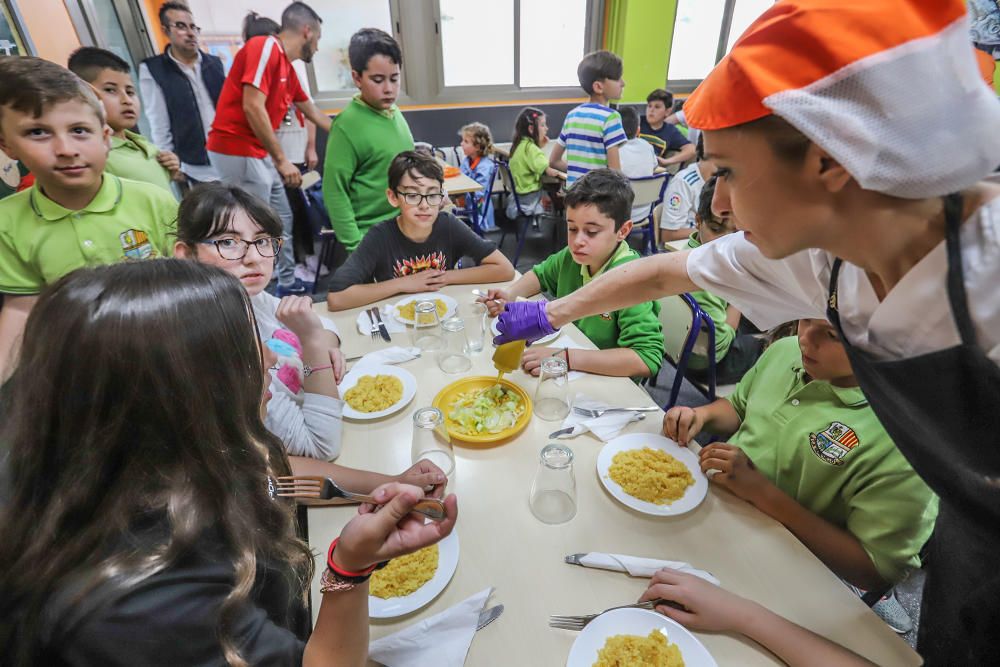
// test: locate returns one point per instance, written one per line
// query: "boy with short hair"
(132, 155)
(808, 450)
(637, 157)
(663, 136)
(629, 341)
(592, 132)
(415, 251)
(674, 219)
(365, 138)
(75, 214)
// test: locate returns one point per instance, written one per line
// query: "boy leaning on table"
(75, 214)
(630, 341)
(417, 250)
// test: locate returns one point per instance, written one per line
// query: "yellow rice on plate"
(374, 392)
(408, 311)
(651, 475)
(405, 574)
(635, 651)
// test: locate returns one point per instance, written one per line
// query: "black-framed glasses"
(238, 248)
(414, 198)
(180, 25)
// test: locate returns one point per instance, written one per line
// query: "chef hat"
(890, 88)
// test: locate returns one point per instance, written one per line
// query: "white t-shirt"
(914, 318)
(680, 201)
(638, 159)
(307, 424)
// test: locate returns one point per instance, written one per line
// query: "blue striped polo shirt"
(587, 133)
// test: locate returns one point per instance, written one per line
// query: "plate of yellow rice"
(652, 474)
(411, 582)
(627, 637)
(374, 391)
(404, 310)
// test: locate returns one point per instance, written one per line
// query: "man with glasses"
(180, 88)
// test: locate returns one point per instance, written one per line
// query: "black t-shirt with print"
(667, 138)
(385, 253)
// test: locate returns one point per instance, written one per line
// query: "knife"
(487, 616)
(381, 325)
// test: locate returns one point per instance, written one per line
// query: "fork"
(324, 488)
(587, 412)
(374, 328)
(580, 622)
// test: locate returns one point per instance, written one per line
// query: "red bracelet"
(568, 368)
(342, 572)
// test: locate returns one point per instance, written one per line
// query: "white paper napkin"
(640, 567)
(442, 640)
(392, 325)
(606, 427)
(390, 355)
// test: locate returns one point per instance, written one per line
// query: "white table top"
(458, 185)
(504, 546)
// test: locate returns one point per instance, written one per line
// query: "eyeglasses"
(414, 198)
(238, 248)
(194, 29)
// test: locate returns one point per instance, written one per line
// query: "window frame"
(16, 21)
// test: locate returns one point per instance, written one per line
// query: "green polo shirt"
(636, 327)
(134, 157)
(715, 307)
(40, 241)
(824, 446)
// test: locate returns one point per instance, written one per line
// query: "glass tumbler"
(551, 395)
(431, 441)
(476, 325)
(553, 493)
(425, 330)
(452, 358)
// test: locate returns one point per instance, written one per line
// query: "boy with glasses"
(417, 250)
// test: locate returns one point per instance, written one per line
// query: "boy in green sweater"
(630, 341)
(364, 139)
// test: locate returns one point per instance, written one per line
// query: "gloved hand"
(523, 320)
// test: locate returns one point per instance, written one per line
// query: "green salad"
(488, 410)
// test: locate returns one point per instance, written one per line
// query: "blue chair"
(322, 229)
(648, 190)
(472, 214)
(683, 322)
(524, 218)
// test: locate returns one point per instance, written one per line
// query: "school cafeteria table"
(460, 184)
(503, 545)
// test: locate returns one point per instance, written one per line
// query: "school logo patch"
(136, 245)
(674, 203)
(606, 317)
(833, 444)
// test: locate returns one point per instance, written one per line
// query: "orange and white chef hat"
(890, 88)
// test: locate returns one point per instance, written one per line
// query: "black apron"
(942, 409)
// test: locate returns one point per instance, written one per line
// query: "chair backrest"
(649, 189)
(676, 319)
(508, 183)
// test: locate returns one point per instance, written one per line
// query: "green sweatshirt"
(714, 307)
(636, 327)
(362, 143)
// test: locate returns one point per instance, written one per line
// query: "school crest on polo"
(136, 244)
(833, 444)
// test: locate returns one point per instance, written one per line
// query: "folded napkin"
(392, 325)
(606, 427)
(640, 567)
(442, 640)
(390, 355)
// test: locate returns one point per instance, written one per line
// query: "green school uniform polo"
(824, 446)
(40, 241)
(715, 307)
(134, 157)
(636, 327)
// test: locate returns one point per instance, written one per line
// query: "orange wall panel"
(51, 29)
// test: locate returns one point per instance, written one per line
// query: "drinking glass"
(551, 399)
(474, 315)
(452, 358)
(425, 330)
(553, 492)
(431, 441)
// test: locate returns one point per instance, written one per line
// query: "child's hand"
(708, 607)
(532, 358)
(339, 363)
(296, 313)
(682, 424)
(430, 280)
(736, 471)
(170, 162)
(494, 301)
(425, 475)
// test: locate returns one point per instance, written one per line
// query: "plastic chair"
(471, 213)
(521, 228)
(648, 191)
(683, 323)
(322, 229)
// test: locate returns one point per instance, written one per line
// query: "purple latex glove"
(523, 320)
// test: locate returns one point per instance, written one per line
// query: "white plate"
(635, 622)
(541, 341)
(425, 296)
(352, 377)
(447, 564)
(692, 496)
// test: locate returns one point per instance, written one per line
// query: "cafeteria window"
(11, 40)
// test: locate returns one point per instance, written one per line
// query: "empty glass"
(553, 493)
(425, 330)
(452, 358)
(431, 441)
(474, 315)
(551, 399)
